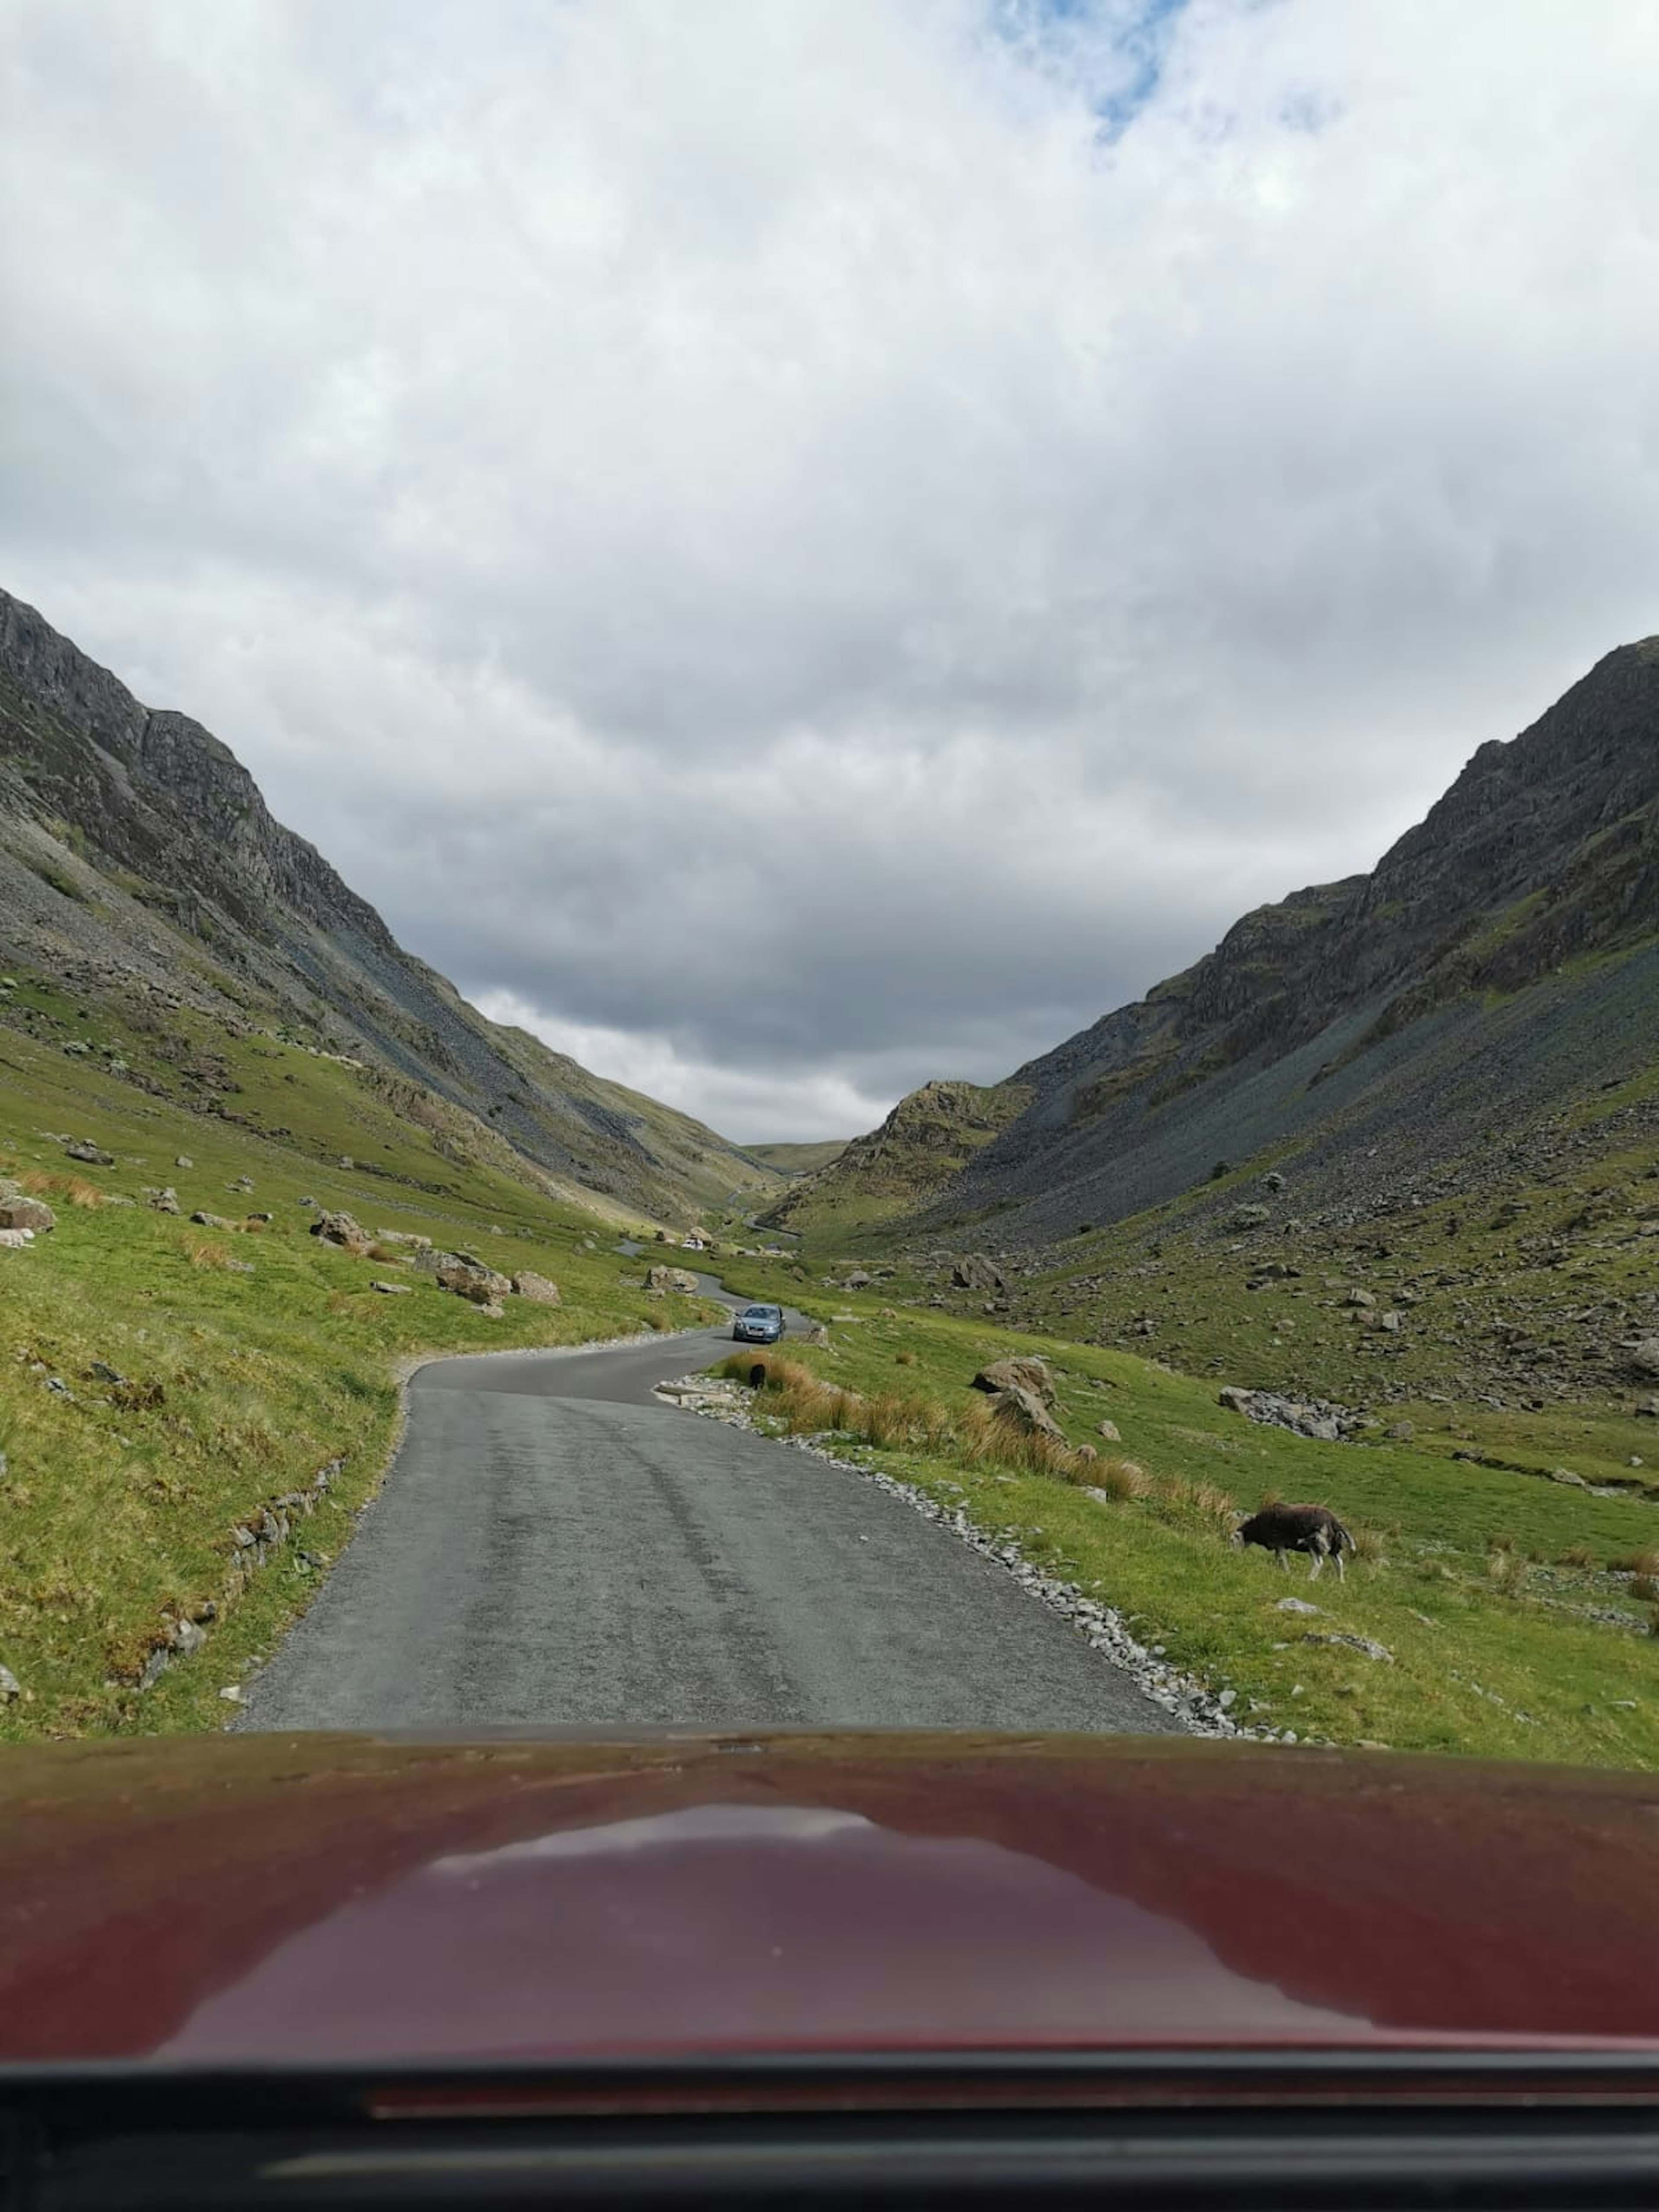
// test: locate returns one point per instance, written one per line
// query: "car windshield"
(829, 1090)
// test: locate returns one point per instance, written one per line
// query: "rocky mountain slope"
(140, 866)
(1501, 959)
(924, 1143)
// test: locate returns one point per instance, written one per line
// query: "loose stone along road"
(554, 1548)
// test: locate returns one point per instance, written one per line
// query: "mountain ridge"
(135, 845)
(1390, 1002)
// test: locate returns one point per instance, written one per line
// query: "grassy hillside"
(162, 1385)
(927, 1140)
(799, 1159)
(139, 866)
(1516, 1613)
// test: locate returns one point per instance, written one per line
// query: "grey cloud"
(814, 547)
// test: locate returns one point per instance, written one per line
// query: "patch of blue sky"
(1113, 51)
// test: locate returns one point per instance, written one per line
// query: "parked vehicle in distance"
(758, 1325)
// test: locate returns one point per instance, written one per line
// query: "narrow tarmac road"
(553, 1548)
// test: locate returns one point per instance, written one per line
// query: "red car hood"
(318, 1899)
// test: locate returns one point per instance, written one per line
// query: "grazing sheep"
(1281, 1528)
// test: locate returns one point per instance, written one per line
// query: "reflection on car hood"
(325, 1898)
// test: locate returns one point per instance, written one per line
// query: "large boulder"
(469, 1277)
(93, 1156)
(1645, 1357)
(1018, 1374)
(20, 1213)
(536, 1288)
(1025, 1410)
(341, 1230)
(671, 1278)
(976, 1273)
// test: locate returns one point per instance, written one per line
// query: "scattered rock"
(393, 1290)
(1371, 1650)
(1317, 1416)
(1021, 1373)
(1565, 1474)
(101, 1371)
(976, 1273)
(1644, 1357)
(1245, 1218)
(1360, 1299)
(537, 1288)
(94, 1156)
(671, 1278)
(1295, 1605)
(213, 1221)
(1087, 1451)
(28, 1213)
(1110, 1431)
(164, 1201)
(1026, 1411)
(184, 1160)
(11, 1687)
(1401, 1432)
(341, 1230)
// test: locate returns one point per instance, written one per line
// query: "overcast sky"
(798, 545)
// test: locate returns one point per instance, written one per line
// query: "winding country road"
(554, 1548)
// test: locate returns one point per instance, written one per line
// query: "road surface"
(554, 1548)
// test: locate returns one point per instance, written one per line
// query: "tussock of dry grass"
(1509, 1572)
(208, 1255)
(1644, 1564)
(975, 1435)
(73, 1190)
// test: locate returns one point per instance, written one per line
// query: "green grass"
(117, 1505)
(1474, 1670)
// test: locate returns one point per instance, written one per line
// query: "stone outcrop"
(341, 1230)
(1021, 1373)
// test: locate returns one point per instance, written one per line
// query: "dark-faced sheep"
(1282, 1528)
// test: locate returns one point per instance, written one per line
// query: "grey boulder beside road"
(554, 1548)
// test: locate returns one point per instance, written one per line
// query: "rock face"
(20, 1213)
(537, 1288)
(228, 893)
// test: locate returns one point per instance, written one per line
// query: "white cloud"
(772, 536)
